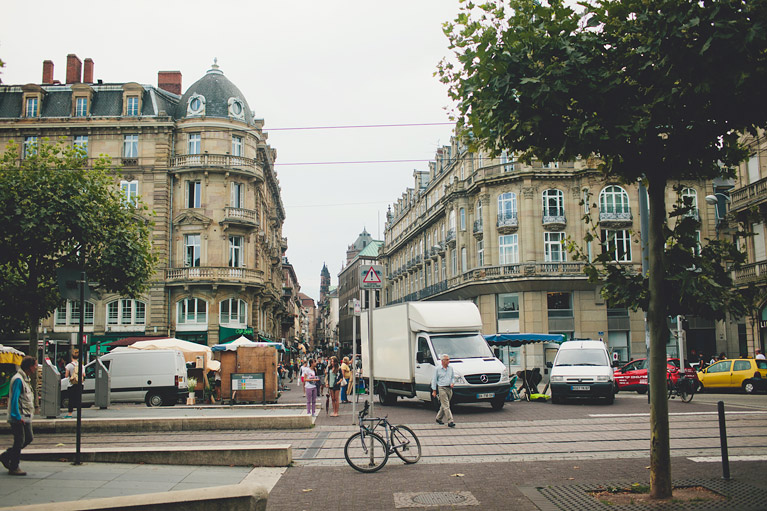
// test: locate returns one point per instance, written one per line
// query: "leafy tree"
(56, 213)
(657, 89)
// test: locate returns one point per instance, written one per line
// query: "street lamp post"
(713, 200)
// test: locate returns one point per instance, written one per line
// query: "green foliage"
(636, 82)
(55, 212)
(698, 278)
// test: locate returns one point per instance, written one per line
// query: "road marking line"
(675, 413)
(718, 459)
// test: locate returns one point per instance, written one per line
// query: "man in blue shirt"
(21, 406)
(443, 382)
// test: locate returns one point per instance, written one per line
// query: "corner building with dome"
(199, 159)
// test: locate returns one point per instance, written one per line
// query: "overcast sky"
(299, 64)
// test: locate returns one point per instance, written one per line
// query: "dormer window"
(131, 106)
(132, 99)
(81, 107)
(196, 105)
(31, 107)
(236, 109)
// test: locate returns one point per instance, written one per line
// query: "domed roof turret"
(214, 95)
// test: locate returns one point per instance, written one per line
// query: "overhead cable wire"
(402, 125)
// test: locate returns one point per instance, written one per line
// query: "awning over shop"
(516, 340)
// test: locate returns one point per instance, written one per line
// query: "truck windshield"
(461, 346)
(582, 357)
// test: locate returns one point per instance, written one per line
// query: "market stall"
(10, 358)
(248, 370)
(197, 354)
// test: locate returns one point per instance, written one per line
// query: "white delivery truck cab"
(582, 369)
(409, 340)
(155, 377)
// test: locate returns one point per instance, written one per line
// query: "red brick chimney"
(47, 72)
(88, 71)
(169, 81)
(74, 69)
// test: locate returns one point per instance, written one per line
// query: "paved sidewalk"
(55, 482)
(495, 486)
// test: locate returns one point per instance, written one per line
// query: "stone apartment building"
(494, 231)
(200, 160)
(746, 202)
(363, 252)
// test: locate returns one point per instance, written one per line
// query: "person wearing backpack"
(75, 390)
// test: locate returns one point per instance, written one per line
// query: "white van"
(582, 369)
(156, 377)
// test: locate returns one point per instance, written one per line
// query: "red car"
(633, 376)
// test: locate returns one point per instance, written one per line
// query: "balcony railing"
(241, 215)
(450, 238)
(213, 274)
(507, 222)
(477, 226)
(226, 161)
(753, 193)
(615, 217)
(748, 273)
(550, 220)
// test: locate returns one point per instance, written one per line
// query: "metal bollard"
(723, 441)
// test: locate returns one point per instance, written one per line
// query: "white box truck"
(409, 340)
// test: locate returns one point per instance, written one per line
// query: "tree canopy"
(54, 213)
(658, 90)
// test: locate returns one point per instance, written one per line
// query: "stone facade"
(201, 162)
(494, 230)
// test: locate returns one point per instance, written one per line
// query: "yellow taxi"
(741, 373)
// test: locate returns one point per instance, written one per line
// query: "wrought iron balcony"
(615, 218)
(478, 229)
(554, 222)
(507, 222)
(450, 238)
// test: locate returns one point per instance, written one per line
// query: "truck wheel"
(153, 398)
(497, 403)
(385, 397)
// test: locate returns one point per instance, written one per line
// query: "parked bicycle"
(367, 451)
(684, 387)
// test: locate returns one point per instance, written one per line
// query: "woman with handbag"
(335, 380)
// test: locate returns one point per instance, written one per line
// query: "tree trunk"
(660, 455)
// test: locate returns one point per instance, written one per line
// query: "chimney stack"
(74, 69)
(47, 72)
(169, 81)
(88, 71)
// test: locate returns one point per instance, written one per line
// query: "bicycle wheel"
(357, 452)
(405, 444)
(686, 390)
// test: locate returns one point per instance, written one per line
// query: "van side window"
(423, 355)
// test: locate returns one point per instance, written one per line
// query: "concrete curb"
(269, 455)
(141, 425)
(236, 497)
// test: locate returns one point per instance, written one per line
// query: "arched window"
(507, 205)
(691, 196)
(553, 202)
(614, 199)
(233, 312)
(192, 311)
(126, 312)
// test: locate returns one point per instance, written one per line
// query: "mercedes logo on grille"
(483, 378)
